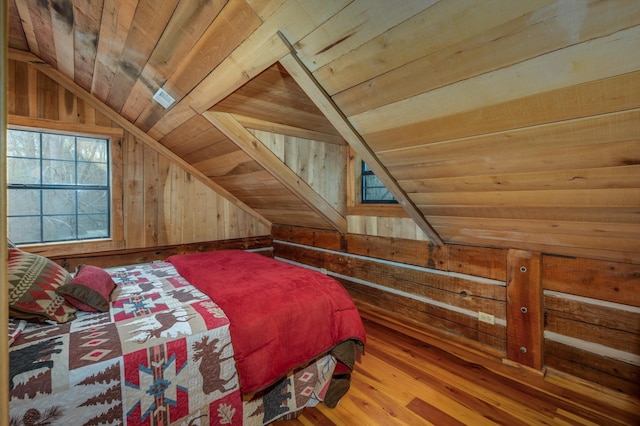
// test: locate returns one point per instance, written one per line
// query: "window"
(59, 187)
(373, 190)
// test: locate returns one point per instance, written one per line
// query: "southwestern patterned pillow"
(90, 290)
(33, 280)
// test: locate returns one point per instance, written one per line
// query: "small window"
(58, 187)
(373, 190)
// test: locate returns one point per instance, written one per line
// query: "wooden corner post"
(525, 309)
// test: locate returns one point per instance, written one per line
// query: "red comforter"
(281, 315)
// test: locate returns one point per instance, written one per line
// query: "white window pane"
(59, 228)
(93, 226)
(93, 150)
(59, 201)
(23, 171)
(93, 201)
(23, 202)
(24, 229)
(92, 174)
(58, 172)
(58, 147)
(23, 144)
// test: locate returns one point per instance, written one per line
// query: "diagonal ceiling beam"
(283, 129)
(323, 101)
(242, 137)
(87, 97)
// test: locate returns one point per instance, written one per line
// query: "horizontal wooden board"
(113, 258)
(355, 24)
(330, 240)
(588, 366)
(557, 250)
(589, 178)
(600, 280)
(567, 245)
(582, 100)
(615, 197)
(455, 290)
(482, 41)
(547, 213)
(458, 324)
(572, 65)
(583, 234)
(478, 261)
(610, 326)
(559, 140)
(420, 253)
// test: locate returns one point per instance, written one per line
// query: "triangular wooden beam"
(87, 97)
(253, 147)
(323, 101)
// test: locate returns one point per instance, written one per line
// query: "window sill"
(380, 210)
(73, 247)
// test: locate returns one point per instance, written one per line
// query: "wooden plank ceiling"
(497, 123)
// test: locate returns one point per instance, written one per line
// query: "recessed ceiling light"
(163, 98)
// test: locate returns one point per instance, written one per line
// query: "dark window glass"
(373, 190)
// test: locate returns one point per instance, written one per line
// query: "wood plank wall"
(161, 203)
(106, 259)
(589, 311)
(321, 165)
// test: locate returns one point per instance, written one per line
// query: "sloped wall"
(157, 203)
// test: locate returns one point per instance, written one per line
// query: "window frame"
(365, 170)
(114, 136)
(355, 207)
(43, 187)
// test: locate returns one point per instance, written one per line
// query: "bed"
(225, 337)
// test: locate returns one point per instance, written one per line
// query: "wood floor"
(405, 381)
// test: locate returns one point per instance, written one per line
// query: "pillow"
(33, 281)
(90, 290)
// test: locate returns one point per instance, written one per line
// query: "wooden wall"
(321, 165)
(157, 202)
(572, 316)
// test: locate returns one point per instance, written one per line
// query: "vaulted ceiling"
(499, 123)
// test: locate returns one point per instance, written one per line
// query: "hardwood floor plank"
(431, 413)
(464, 388)
(409, 380)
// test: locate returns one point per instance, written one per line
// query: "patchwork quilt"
(161, 355)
